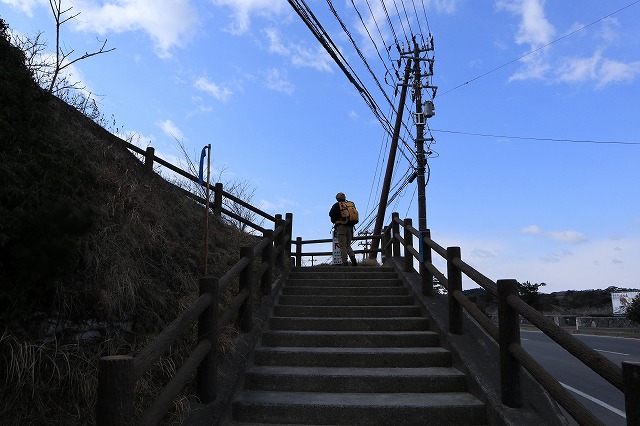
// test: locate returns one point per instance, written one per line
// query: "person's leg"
(349, 239)
(341, 233)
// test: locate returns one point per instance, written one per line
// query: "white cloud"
(275, 43)
(534, 31)
(443, 6)
(580, 69)
(299, 54)
(170, 129)
(276, 80)
(597, 69)
(279, 205)
(608, 30)
(26, 6)
(242, 10)
(219, 92)
(169, 23)
(571, 237)
(617, 72)
(592, 264)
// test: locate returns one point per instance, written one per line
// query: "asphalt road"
(594, 392)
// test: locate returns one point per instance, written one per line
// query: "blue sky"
(248, 77)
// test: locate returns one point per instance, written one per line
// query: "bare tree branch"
(61, 61)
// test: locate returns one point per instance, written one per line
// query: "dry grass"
(140, 264)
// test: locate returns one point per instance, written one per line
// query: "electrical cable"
(540, 48)
(539, 139)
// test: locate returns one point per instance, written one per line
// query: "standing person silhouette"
(343, 230)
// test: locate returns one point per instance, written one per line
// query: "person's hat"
(340, 196)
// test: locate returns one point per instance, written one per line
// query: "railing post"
(288, 235)
(299, 251)
(217, 200)
(246, 283)
(148, 158)
(631, 386)
(395, 230)
(279, 242)
(427, 277)
(207, 330)
(114, 406)
(386, 248)
(408, 243)
(509, 334)
(267, 257)
(454, 276)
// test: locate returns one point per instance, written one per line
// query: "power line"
(540, 48)
(539, 139)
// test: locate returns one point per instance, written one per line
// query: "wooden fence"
(118, 374)
(300, 243)
(415, 246)
(510, 307)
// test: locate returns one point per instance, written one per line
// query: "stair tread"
(375, 350)
(349, 332)
(357, 372)
(389, 319)
(419, 400)
(388, 350)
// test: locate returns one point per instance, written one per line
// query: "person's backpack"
(348, 212)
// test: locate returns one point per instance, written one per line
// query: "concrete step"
(344, 282)
(348, 346)
(351, 324)
(342, 300)
(449, 408)
(358, 380)
(339, 269)
(350, 339)
(345, 273)
(346, 291)
(346, 311)
(428, 356)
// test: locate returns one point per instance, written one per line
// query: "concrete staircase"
(348, 346)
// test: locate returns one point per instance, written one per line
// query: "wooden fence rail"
(510, 307)
(219, 195)
(415, 246)
(118, 374)
(299, 243)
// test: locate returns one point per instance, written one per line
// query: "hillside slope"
(96, 254)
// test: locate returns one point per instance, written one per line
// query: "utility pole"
(384, 195)
(423, 111)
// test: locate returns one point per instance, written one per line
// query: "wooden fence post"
(631, 386)
(217, 200)
(114, 406)
(427, 277)
(386, 247)
(148, 158)
(454, 276)
(509, 333)
(395, 230)
(246, 283)
(267, 257)
(279, 242)
(207, 330)
(288, 236)
(299, 252)
(408, 243)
